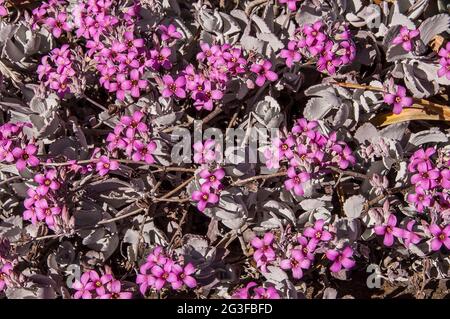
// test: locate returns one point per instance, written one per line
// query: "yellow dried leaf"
(414, 113)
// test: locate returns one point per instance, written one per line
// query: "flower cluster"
(299, 254)
(132, 137)
(210, 175)
(16, 148)
(431, 180)
(53, 16)
(218, 64)
(58, 70)
(330, 49)
(444, 61)
(308, 152)
(92, 285)
(253, 291)
(160, 270)
(9, 276)
(42, 202)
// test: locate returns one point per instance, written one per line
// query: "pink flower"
(134, 123)
(445, 68)
(263, 72)
(162, 274)
(399, 99)
(169, 33)
(291, 54)
(84, 287)
(47, 213)
(144, 151)
(3, 13)
(295, 181)
(264, 252)
(180, 276)
(317, 233)
(291, 4)
(302, 126)
(426, 179)
(420, 199)
(389, 230)
(115, 291)
(46, 182)
(441, 236)
(296, 262)
(269, 293)
(341, 259)
(409, 235)
(307, 247)
(204, 197)
(421, 160)
(344, 156)
(58, 24)
(160, 58)
(212, 179)
(25, 156)
(5, 271)
(174, 87)
(100, 282)
(285, 147)
(405, 38)
(204, 152)
(104, 165)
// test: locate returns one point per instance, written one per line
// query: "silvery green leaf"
(281, 209)
(434, 26)
(354, 206)
(275, 274)
(433, 135)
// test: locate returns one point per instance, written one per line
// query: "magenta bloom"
(291, 4)
(104, 165)
(58, 24)
(204, 152)
(317, 233)
(307, 247)
(136, 84)
(84, 287)
(285, 147)
(212, 179)
(160, 59)
(409, 235)
(169, 33)
(296, 262)
(445, 68)
(264, 252)
(180, 276)
(302, 126)
(329, 63)
(296, 180)
(262, 293)
(25, 157)
(405, 38)
(441, 236)
(399, 99)
(421, 160)
(174, 87)
(263, 71)
(204, 197)
(389, 230)
(162, 274)
(134, 123)
(341, 259)
(344, 156)
(115, 291)
(426, 179)
(144, 151)
(291, 54)
(3, 13)
(46, 182)
(421, 199)
(5, 271)
(100, 282)
(47, 213)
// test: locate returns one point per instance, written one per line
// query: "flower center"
(441, 237)
(115, 296)
(389, 229)
(318, 235)
(398, 99)
(47, 182)
(406, 38)
(106, 165)
(98, 283)
(212, 178)
(296, 180)
(173, 87)
(205, 196)
(284, 147)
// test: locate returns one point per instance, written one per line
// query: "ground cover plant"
(260, 149)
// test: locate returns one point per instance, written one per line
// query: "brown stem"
(254, 178)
